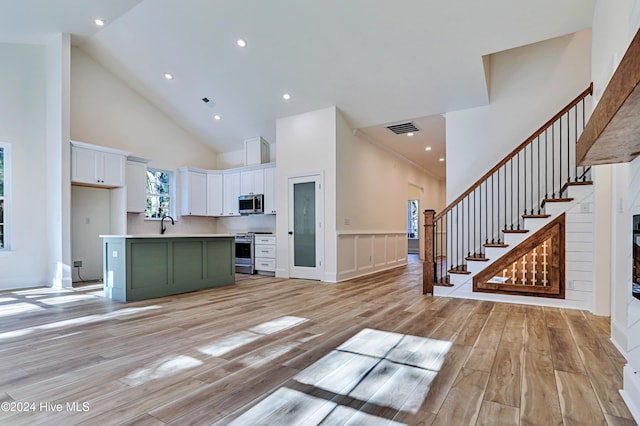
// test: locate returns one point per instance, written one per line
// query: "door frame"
(316, 273)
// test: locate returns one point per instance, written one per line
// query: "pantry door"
(306, 240)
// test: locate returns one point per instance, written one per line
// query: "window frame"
(170, 194)
(6, 198)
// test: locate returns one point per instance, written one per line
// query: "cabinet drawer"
(265, 251)
(262, 264)
(269, 239)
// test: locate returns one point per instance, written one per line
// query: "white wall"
(307, 143)
(89, 219)
(23, 125)
(528, 86)
(105, 111)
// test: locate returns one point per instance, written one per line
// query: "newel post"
(428, 269)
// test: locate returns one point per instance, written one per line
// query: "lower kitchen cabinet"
(265, 254)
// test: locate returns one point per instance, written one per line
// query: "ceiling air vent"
(208, 102)
(402, 128)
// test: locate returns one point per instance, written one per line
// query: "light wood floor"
(270, 351)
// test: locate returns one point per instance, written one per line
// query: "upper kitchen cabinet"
(136, 184)
(270, 190)
(231, 183)
(256, 151)
(215, 194)
(252, 182)
(193, 191)
(93, 165)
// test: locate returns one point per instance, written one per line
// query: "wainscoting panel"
(380, 251)
(366, 253)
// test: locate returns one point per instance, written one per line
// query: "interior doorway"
(413, 219)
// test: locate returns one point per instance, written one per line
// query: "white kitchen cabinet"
(136, 180)
(215, 194)
(97, 166)
(265, 253)
(231, 184)
(252, 182)
(256, 151)
(269, 190)
(193, 192)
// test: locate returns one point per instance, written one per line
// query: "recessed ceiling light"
(217, 117)
(286, 96)
(428, 148)
(99, 22)
(410, 134)
(168, 76)
(241, 42)
(442, 159)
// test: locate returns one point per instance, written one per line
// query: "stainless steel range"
(244, 254)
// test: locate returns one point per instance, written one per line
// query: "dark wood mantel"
(612, 134)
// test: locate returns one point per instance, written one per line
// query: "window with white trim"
(5, 199)
(159, 194)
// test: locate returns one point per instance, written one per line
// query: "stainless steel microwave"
(250, 204)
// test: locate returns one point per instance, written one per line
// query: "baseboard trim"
(631, 391)
(619, 337)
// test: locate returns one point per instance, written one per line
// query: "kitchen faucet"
(163, 228)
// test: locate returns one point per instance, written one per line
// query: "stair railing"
(534, 173)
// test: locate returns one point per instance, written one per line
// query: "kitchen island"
(138, 267)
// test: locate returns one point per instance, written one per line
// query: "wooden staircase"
(529, 188)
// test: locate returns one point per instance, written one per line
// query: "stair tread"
(477, 259)
(555, 200)
(462, 270)
(536, 216)
(515, 231)
(499, 245)
(568, 184)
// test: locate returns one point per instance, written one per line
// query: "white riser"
(495, 252)
(515, 239)
(534, 224)
(555, 209)
(474, 266)
(459, 279)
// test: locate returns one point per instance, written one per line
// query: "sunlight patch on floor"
(162, 368)
(378, 370)
(40, 292)
(75, 321)
(263, 357)
(226, 344)
(278, 324)
(18, 308)
(60, 300)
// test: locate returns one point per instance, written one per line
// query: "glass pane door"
(304, 224)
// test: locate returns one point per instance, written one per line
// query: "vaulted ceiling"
(380, 62)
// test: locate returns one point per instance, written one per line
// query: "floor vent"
(402, 128)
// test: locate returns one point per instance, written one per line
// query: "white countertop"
(168, 235)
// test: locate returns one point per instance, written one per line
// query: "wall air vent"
(402, 128)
